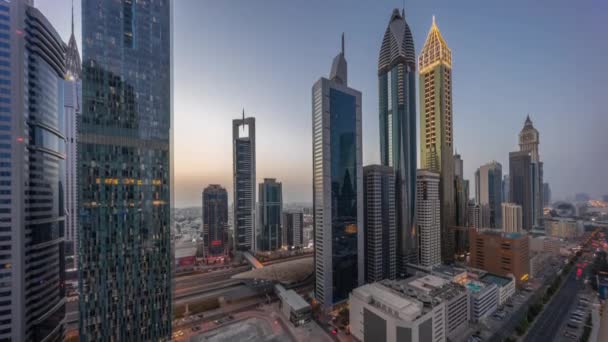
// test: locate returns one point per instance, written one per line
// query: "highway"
(546, 327)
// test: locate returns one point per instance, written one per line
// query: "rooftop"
(496, 279)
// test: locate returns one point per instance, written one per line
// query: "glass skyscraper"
(32, 175)
(124, 151)
(337, 186)
(397, 104)
(243, 168)
(488, 193)
(215, 221)
(270, 215)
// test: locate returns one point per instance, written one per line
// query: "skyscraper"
(337, 185)
(547, 195)
(461, 195)
(72, 100)
(293, 226)
(529, 140)
(215, 221)
(32, 175)
(474, 216)
(505, 188)
(270, 215)
(380, 221)
(436, 133)
(511, 218)
(428, 206)
(397, 108)
(488, 192)
(125, 172)
(243, 168)
(520, 192)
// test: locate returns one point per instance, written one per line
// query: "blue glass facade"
(343, 123)
(215, 220)
(124, 153)
(270, 211)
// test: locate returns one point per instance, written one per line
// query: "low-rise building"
(538, 260)
(505, 286)
(545, 244)
(420, 308)
(293, 306)
(564, 228)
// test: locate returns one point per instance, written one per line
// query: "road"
(546, 327)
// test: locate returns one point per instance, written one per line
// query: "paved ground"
(546, 327)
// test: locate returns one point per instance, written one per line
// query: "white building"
(545, 244)
(425, 308)
(538, 260)
(511, 218)
(564, 228)
(293, 306)
(505, 286)
(428, 215)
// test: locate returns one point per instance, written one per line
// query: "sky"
(510, 58)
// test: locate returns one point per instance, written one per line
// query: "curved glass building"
(397, 105)
(32, 175)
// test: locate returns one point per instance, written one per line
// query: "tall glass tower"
(215, 221)
(124, 151)
(243, 168)
(397, 101)
(270, 215)
(32, 175)
(337, 186)
(436, 133)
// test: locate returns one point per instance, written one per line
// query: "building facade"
(32, 175)
(428, 217)
(488, 192)
(380, 221)
(511, 218)
(215, 221)
(337, 186)
(420, 308)
(270, 203)
(547, 195)
(529, 141)
(72, 100)
(293, 227)
(474, 215)
(397, 108)
(125, 172)
(520, 182)
(436, 127)
(461, 192)
(243, 168)
(504, 254)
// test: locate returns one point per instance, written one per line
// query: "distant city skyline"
(502, 73)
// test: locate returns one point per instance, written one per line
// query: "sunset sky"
(546, 58)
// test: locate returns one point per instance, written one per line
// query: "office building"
(547, 195)
(270, 216)
(72, 99)
(420, 308)
(474, 216)
(397, 108)
(215, 221)
(436, 127)
(125, 172)
(520, 179)
(32, 175)
(243, 168)
(428, 215)
(505, 188)
(337, 186)
(380, 221)
(488, 192)
(511, 218)
(461, 195)
(504, 254)
(529, 140)
(564, 228)
(293, 227)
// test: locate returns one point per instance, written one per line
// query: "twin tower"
(338, 176)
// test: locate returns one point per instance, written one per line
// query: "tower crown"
(339, 73)
(397, 44)
(435, 50)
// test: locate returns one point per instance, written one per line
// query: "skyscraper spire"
(72, 17)
(338, 71)
(342, 43)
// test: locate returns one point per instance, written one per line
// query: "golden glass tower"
(436, 134)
